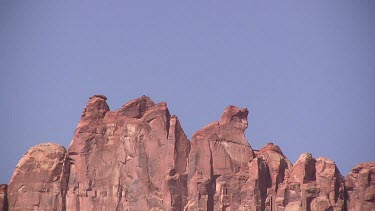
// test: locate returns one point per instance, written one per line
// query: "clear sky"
(304, 69)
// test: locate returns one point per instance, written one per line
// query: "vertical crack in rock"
(64, 179)
(211, 186)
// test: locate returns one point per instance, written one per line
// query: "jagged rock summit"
(139, 158)
(134, 158)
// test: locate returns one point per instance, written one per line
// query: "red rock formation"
(278, 164)
(3, 197)
(360, 184)
(39, 181)
(139, 158)
(219, 163)
(312, 184)
(134, 158)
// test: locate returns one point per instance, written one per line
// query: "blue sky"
(304, 69)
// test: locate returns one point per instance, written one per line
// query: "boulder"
(39, 181)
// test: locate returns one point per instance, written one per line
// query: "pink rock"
(219, 163)
(138, 158)
(39, 180)
(331, 186)
(312, 184)
(271, 147)
(134, 158)
(360, 185)
(278, 165)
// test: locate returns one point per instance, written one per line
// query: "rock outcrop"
(312, 184)
(139, 158)
(360, 185)
(3, 197)
(134, 158)
(278, 166)
(39, 181)
(219, 164)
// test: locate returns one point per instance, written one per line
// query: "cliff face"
(39, 181)
(312, 184)
(360, 185)
(133, 158)
(139, 158)
(219, 163)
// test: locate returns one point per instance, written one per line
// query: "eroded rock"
(39, 180)
(3, 197)
(312, 184)
(138, 158)
(278, 165)
(134, 158)
(219, 163)
(360, 185)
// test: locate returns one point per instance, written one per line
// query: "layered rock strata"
(139, 158)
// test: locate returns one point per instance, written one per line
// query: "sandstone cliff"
(133, 158)
(360, 185)
(39, 181)
(139, 158)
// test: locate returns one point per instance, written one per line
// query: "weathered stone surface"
(278, 164)
(139, 158)
(3, 197)
(312, 184)
(39, 180)
(360, 185)
(330, 184)
(219, 164)
(134, 158)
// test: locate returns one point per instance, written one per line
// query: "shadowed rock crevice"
(3, 197)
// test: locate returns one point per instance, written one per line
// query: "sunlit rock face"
(360, 184)
(139, 158)
(134, 158)
(312, 184)
(39, 181)
(278, 166)
(220, 163)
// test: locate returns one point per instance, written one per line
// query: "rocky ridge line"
(139, 158)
